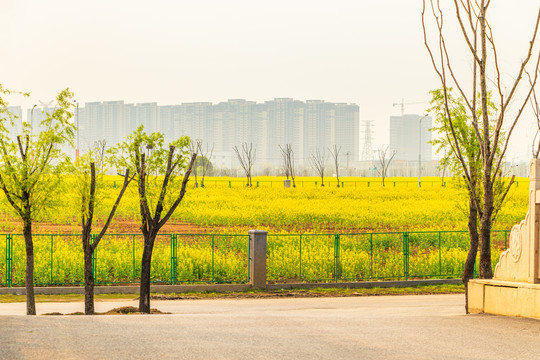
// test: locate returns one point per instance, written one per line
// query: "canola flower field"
(359, 231)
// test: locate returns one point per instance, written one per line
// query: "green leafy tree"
(158, 169)
(475, 88)
(468, 146)
(30, 170)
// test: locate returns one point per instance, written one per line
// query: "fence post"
(300, 259)
(9, 260)
(133, 257)
(406, 255)
(52, 250)
(257, 258)
(440, 255)
(336, 258)
(173, 259)
(213, 252)
(371, 254)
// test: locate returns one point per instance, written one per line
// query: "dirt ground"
(121, 226)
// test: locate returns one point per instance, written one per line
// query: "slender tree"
(100, 154)
(88, 183)
(473, 23)
(247, 157)
(334, 152)
(287, 155)
(318, 162)
(159, 194)
(194, 148)
(470, 151)
(385, 159)
(205, 157)
(30, 169)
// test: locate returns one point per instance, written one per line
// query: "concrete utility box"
(287, 183)
(515, 289)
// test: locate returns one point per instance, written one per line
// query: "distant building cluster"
(305, 125)
(410, 138)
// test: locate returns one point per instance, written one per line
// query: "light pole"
(32, 120)
(420, 149)
(77, 124)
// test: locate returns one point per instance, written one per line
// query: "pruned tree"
(473, 24)
(89, 182)
(30, 170)
(159, 194)
(247, 157)
(194, 148)
(334, 152)
(204, 159)
(287, 155)
(100, 153)
(318, 162)
(385, 159)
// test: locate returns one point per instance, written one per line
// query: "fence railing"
(372, 256)
(240, 183)
(176, 258)
(224, 258)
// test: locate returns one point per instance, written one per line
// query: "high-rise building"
(305, 125)
(410, 136)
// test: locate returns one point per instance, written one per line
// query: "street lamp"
(32, 120)
(420, 149)
(77, 124)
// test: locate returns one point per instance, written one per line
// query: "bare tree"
(287, 154)
(473, 24)
(318, 161)
(100, 152)
(246, 156)
(536, 111)
(205, 159)
(194, 147)
(385, 161)
(334, 152)
(87, 184)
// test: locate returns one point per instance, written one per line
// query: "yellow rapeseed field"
(396, 232)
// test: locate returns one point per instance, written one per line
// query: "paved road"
(384, 327)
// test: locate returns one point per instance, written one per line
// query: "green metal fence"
(176, 258)
(216, 258)
(371, 256)
(331, 182)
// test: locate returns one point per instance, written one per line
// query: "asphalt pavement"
(378, 327)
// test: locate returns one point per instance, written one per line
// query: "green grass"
(315, 292)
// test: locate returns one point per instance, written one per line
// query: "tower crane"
(403, 103)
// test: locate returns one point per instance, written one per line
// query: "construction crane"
(403, 103)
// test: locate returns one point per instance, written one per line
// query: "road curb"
(134, 289)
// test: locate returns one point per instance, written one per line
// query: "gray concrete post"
(257, 258)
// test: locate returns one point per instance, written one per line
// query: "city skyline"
(368, 53)
(305, 125)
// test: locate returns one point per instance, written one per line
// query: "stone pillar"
(534, 214)
(257, 258)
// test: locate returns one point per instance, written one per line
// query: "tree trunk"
(29, 279)
(88, 281)
(484, 269)
(468, 271)
(144, 296)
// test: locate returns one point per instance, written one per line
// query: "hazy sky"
(367, 52)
